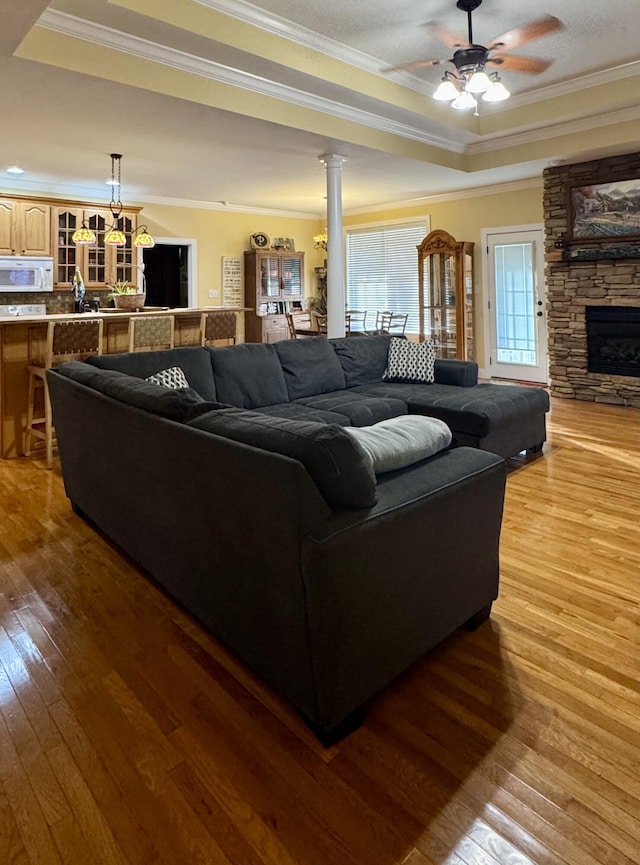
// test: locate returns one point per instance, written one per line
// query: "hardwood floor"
(128, 735)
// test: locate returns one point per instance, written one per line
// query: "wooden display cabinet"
(273, 285)
(446, 292)
(24, 227)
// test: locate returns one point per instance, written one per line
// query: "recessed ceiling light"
(15, 169)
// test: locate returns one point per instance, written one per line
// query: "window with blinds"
(382, 270)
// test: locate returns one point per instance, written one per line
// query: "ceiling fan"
(472, 61)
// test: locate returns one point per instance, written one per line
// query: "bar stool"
(66, 340)
(216, 326)
(151, 332)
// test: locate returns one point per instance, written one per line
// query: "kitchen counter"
(17, 331)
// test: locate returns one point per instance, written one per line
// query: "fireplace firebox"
(613, 339)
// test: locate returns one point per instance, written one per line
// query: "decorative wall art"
(605, 211)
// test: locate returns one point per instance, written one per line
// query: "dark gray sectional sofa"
(247, 499)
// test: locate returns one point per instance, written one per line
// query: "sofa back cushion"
(168, 402)
(248, 375)
(363, 358)
(192, 360)
(337, 463)
(310, 366)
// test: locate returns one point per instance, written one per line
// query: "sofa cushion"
(193, 361)
(410, 361)
(363, 359)
(336, 462)
(361, 410)
(172, 377)
(477, 410)
(248, 375)
(310, 366)
(401, 441)
(167, 402)
(297, 411)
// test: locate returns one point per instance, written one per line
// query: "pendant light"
(84, 236)
(114, 236)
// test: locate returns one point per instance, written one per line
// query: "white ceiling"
(190, 115)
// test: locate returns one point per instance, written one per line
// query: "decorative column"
(336, 297)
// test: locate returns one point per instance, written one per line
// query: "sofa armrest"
(463, 373)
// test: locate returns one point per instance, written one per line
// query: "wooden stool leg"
(48, 426)
(30, 397)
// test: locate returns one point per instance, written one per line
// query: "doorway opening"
(169, 271)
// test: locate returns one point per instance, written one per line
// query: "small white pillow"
(400, 441)
(173, 378)
(410, 361)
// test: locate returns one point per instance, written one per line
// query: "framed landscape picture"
(605, 211)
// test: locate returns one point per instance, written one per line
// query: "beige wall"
(465, 218)
(226, 233)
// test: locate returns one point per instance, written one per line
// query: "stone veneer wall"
(572, 285)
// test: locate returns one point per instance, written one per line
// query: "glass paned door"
(269, 277)
(515, 319)
(517, 305)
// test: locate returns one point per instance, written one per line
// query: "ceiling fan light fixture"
(464, 101)
(479, 82)
(496, 91)
(446, 90)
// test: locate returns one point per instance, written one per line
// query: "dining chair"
(66, 340)
(355, 321)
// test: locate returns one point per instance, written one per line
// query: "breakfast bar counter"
(16, 331)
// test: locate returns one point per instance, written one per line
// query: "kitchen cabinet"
(24, 227)
(99, 263)
(446, 295)
(274, 285)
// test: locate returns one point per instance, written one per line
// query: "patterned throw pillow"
(173, 378)
(410, 361)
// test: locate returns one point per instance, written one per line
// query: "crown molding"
(457, 195)
(99, 34)
(107, 37)
(543, 132)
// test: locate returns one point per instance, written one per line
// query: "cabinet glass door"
(292, 277)
(269, 277)
(439, 286)
(67, 254)
(96, 254)
(122, 257)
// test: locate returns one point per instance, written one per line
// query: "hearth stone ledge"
(573, 285)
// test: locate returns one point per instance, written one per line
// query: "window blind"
(382, 270)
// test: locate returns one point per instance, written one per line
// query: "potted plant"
(126, 296)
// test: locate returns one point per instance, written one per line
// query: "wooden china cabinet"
(446, 290)
(273, 286)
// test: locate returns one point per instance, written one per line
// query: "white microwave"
(20, 273)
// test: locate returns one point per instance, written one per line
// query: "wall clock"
(260, 240)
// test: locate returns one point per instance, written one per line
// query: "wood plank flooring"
(128, 736)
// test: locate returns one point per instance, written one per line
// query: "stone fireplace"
(593, 306)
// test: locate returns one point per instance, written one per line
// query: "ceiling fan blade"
(528, 65)
(417, 64)
(527, 33)
(451, 39)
